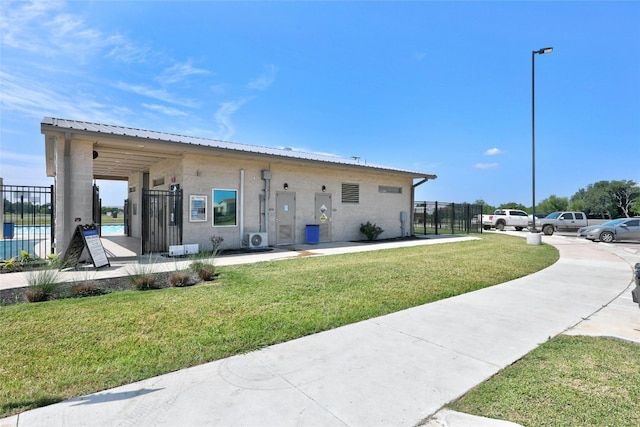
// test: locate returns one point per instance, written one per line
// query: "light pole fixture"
(533, 129)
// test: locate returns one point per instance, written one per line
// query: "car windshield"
(613, 222)
(554, 215)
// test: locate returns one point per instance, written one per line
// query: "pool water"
(27, 238)
(12, 248)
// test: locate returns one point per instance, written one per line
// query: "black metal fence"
(446, 218)
(162, 224)
(27, 221)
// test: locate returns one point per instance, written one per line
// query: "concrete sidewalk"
(399, 369)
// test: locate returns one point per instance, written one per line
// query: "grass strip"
(60, 349)
(568, 381)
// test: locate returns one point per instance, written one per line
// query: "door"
(285, 217)
(323, 215)
(630, 231)
(162, 220)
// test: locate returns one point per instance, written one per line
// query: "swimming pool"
(12, 248)
(36, 240)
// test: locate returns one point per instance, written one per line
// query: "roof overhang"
(120, 152)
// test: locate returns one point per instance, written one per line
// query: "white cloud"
(159, 94)
(223, 118)
(486, 166)
(35, 99)
(493, 152)
(179, 72)
(168, 111)
(40, 27)
(265, 80)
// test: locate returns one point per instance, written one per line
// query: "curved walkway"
(398, 369)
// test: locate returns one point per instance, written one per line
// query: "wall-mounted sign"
(197, 208)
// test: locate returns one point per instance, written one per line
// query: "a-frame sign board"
(85, 236)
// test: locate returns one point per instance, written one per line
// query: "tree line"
(604, 199)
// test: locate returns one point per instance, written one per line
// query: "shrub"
(42, 283)
(10, 264)
(144, 282)
(142, 276)
(205, 271)
(180, 279)
(86, 289)
(216, 241)
(372, 231)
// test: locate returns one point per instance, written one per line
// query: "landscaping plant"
(372, 231)
(42, 283)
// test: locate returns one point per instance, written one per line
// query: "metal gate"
(97, 209)
(162, 220)
(446, 218)
(26, 214)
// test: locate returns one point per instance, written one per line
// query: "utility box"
(312, 234)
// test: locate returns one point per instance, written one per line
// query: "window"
(579, 216)
(350, 193)
(388, 189)
(224, 208)
(566, 215)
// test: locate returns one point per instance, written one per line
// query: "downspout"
(266, 175)
(267, 185)
(241, 213)
(66, 197)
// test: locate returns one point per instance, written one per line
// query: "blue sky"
(438, 87)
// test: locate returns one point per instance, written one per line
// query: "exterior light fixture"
(286, 186)
(324, 188)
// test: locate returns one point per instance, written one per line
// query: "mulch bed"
(107, 285)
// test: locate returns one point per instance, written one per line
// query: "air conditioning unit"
(258, 240)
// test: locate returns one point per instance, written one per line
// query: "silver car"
(627, 229)
(582, 231)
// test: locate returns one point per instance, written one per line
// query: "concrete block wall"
(74, 189)
(201, 174)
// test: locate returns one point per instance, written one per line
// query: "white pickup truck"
(565, 221)
(502, 218)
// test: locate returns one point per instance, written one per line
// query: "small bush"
(216, 241)
(372, 231)
(145, 282)
(10, 264)
(180, 279)
(205, 271)
(42, 284)
(142, 276)
(35, 295)
(86, 289)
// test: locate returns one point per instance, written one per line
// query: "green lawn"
(64, 348)
(568, 381)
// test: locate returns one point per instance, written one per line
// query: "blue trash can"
(8, 230)
(312, 236)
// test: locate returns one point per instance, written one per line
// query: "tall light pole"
(533, 127)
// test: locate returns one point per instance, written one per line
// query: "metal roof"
(141, 159)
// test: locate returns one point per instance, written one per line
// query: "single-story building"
(184, 190)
